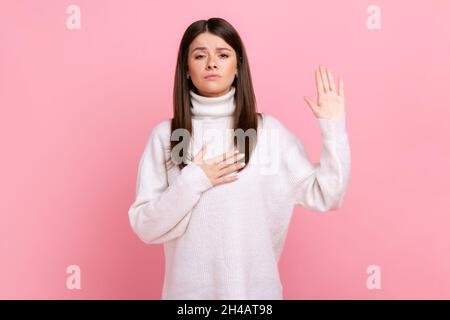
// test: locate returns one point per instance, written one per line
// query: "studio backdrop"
(83, 83)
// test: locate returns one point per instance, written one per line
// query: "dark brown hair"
(245, 115)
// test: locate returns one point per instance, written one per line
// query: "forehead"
(209, 41)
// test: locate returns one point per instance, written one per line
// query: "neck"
(221, 107)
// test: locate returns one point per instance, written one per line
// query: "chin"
(214, 87)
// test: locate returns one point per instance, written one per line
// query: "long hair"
(245, 115)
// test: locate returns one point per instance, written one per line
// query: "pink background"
(77, 107)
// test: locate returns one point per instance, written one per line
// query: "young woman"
(223, 216)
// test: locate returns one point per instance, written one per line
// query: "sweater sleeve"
(161, 212)
(320, 186)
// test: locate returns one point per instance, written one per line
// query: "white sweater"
(224, 241)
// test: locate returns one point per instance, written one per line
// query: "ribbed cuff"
(196, 178)
(332, 128)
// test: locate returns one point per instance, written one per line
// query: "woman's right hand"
(216, 168)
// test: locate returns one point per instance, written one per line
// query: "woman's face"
(210, 54)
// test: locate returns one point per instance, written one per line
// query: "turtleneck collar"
(213, 107)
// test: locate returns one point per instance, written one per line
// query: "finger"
(225, 169)
(310, 103)
(230, 160)
(319, 84)
(341, 86)
(331, 81)
(228, 179)
(323, 79)
(223, 156)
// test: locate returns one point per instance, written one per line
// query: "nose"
(211, 64)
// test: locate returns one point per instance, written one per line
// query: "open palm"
(330, 100)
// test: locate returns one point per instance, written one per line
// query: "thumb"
(311, 104)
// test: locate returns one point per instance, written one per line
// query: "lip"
(212, 77)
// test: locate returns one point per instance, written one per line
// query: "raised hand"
(330, 101)
(216, 168)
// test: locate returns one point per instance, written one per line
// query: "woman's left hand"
(330, 100)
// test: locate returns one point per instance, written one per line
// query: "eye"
(222, 55)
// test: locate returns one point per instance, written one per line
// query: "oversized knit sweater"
(225, 241)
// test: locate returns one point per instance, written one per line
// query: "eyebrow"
(204, 48)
